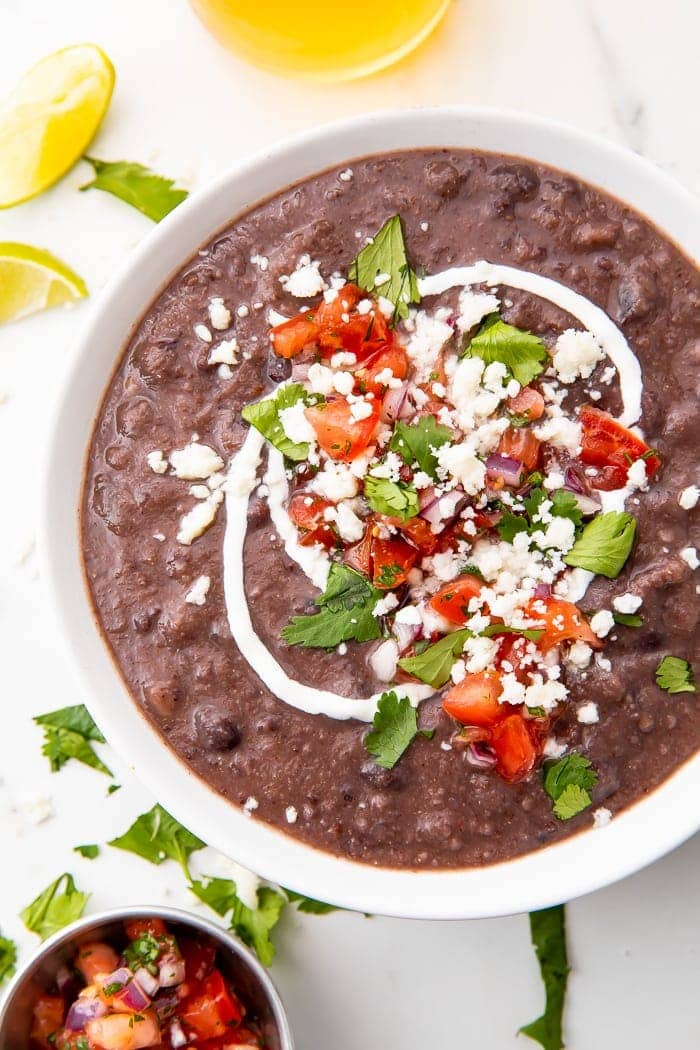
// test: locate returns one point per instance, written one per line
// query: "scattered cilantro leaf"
(253, 925)
(112, 788)
(548, 931)
(415, 442)
(395, 726)
(59, 904)
(511, 524)
(533, 634)
(434, 664)
(265, 416)
(675, 675)
(563, 505)
(89, 852)
(8, 958)
(151, 194)
(605, 544)
(156, 836)
(394, 498)
(345, 612)
(523, 353)
(309, 905)
(567, 782)
(386, 255)
(628, 619)
(68, 733)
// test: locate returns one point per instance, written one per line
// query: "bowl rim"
(226, 939)
(562, 871)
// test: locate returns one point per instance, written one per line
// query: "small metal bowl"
(237, 962)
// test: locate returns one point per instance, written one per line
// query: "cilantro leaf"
(563, 505)
(59, 904)
(605, 544)
(8, 958)
(533, 634)
(675, 675)
(265, 416)
(143, 950)
(68, 733)
(628, 619)
(253, 926)
(151, 194)
(89, 852)
(395, 726)
(393, 498)
(346, 612)
(434, 664)
(156, 836)
(548, 932)
(523, 353)
(415, 442)
(309, 905)
(567, 782)
(385, 255)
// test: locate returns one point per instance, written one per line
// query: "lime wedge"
(32, 279)
(50, 118)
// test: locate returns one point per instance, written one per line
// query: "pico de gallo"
(153, 990)
(432, 455)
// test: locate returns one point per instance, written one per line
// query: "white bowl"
(585, 862)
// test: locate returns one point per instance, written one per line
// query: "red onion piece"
(171, 970)
(300, 370)
(442, 510)
(408, 409)
(426, 497)
(586, 504)
(405, 634)
(480, 756)
(121, 976)
(84, 1009)
(505, 467)
(393, 403)
(177, 1035)
(147, 981)
(543, 590)
(132, 997)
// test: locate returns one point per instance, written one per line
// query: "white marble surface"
(627, 70)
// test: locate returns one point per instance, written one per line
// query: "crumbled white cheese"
(580, 655)
(688, 498)
(561, 432)
(344, 358)
(203, 333)
(250, 804)
(321, 379)
(473, 307)
(195, 461)
(690, 557)
(242, 310)
(198, 520)
(552, 748)
(335, 482)
(389, 467)
(160, 536)
(384, 659)
(575, 355)
(626, 603)
(291, 814)
(224, 353)
(261, 261)
(601, 817)
(637, 475)
(306, 281)
(545, 694)
(410, 614)
(602, 623)
(346, 175)
(427, 340)
(587, 714)
(553, 480)
(350, 526)
(295, 424)
(157, 461)
(219, 314)
(344, 382)
(480, 653)
(197, 594)
(199, 491)
(464, 466)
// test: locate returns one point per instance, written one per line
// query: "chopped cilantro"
(567, 782)
(143, 951)
(112, 788)
(151, 194)
(156, 836)
(417, 442)
(563, 505)
(8, 958)
(434, 664)
(675, 675)
(393, 498)
(388, 575)
(113, 988)
(628, 619)
(533, 634)
(89, 852)
(385, 255)
(345, 612)
(265, 416)
(605, 544)
(472, 570)
(68, 733)
(309, 905)
(548, 931)
(253, 925)
(395, 726)
(523, 353)
(59, 904)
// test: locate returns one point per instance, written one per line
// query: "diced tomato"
(474, 700)
(135, 927)
(241, 1037)
(211, 1008)
(418, 531)
(391, 357)
(520, 443)
(564, 622)
(96, 958)
(124, 1031)
(514, 744)
(306, 511)
(606, 443)
(359, 556)
(199, 958)
(329, 314)
(513, 650)
(486, 520)
(290, 338)
(49, 1011)
(339, 434)
(529, 404)
(452, 600)
(354, 336)
(392, 560)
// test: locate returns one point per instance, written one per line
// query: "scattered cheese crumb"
(219, 314)
(291, 814)
(580, 655)
(637, 475)
(306, 281)
(626, 603)
(224, 353)
(688, 498)
(384, 659)
(195, 461)
(690, 557)
(197, 594)
(198, 520)
(601, 817)
(587, 714)
(203, 333)
(575, 355)
(249, 805)
(602, 623)
(157, 461)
